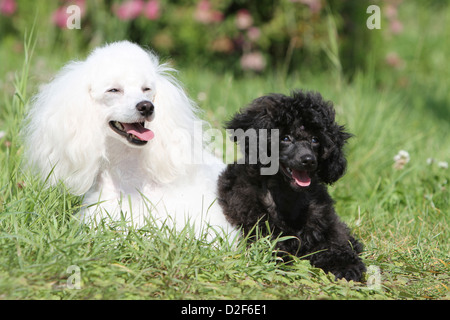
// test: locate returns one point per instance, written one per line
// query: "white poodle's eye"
(113, 90)
(146, 89)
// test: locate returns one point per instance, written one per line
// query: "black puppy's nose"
(145, 108)
(308, 161)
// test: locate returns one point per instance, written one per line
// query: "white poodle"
(118, 129)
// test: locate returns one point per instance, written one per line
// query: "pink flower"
(8, 7)
(216, 16)
(393, 60)
(396, 26)
(205, 14)
(253, 33)
(391, 11)
(130, 9)
(151, 10)
(59, 17)
(243, 19)
(253, 61)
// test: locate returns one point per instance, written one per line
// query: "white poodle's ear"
(172, 149)
(63, 131)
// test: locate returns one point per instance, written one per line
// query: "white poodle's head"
(119, 97)
(123, 84)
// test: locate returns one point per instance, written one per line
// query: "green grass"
(401, 216)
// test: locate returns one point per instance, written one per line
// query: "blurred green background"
(241, 37)
(229, 35)
(390, 87)
(289, 39)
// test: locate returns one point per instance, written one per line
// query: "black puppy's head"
(311, 142)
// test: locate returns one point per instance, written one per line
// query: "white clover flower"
(201, 96)
(440, 164)
(401, 158)
(2, 134)
(402, 155)
(443, 164)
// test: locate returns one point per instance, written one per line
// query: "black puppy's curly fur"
(294, 201)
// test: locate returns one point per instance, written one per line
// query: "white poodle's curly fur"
(118, 129)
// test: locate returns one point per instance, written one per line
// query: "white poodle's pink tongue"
(139, 131)
(301, 178)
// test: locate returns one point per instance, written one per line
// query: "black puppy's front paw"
(351, 272)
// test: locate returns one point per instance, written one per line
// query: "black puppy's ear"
(332, 164)
(258, 115)
(244, 127)
(241, 120)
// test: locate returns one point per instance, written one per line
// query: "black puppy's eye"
(314, 140)
(286, 139)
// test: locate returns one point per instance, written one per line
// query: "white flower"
(201, 96)
(443, 164)
(2, 134)
(401, 158)
(440, 164)
(402, 155)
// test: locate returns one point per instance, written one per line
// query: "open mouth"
(135, 133)
(300, 178)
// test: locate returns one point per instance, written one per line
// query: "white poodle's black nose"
(145, 108)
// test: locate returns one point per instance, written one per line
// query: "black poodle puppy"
(294, 200)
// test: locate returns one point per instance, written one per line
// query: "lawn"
(400, 211)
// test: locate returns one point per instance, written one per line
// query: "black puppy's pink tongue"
(139, 131)
(301, 178)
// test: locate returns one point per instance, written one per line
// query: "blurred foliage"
(231, 35)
